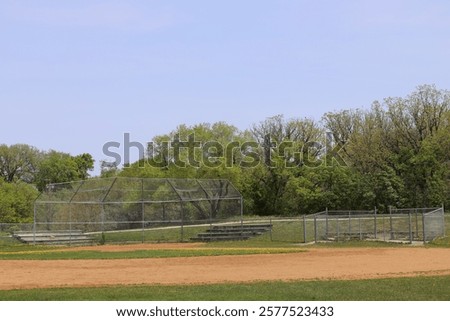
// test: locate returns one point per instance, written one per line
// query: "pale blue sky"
(76, 74)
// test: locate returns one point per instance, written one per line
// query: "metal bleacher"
(232, 232)
(75, 237)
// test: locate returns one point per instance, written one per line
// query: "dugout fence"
(399, 225)
(405, 225)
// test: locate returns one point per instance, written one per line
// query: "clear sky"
(77, 74)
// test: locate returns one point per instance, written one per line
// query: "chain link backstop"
(136, 209)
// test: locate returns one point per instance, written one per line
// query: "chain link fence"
(164, 222)
(345, 225)
(7, 231)
(416, 224)
(434, 224)
(401, 225)
(119, 210)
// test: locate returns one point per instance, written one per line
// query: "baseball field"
(245, 270)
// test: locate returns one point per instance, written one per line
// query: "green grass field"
(401, 289)
(57, 254)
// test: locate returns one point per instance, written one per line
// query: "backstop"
(136, 209)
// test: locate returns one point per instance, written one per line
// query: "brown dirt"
(342, 264)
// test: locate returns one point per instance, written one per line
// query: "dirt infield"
(313, 264)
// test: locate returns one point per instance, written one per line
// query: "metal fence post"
(143, 211)
(326, 223)
(410, 228)
(304, 228)
(337, 228)
(375, 223)
(349, 225)
(417, 224)
(242, 207)
(103, 218)
(182, 221)
(424, 229)
(315, 228)
(390, 223)
(143, 222)
(360, 231)
(70, 224)
(211, 217)
(34, 224)
(271, 236)
(242, 217)
(443, 220)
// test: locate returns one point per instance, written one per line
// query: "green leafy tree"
(57, 167)
(284, 148)
(16, 202)
(85, 163)
(18, 162)
(395, 147)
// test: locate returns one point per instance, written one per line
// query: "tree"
(58, 167)
(108, 169)
(394, 146)
(414, 123)
(284, 147)
(18, 162)
(16, 202)
(85, 163)
(343, 125)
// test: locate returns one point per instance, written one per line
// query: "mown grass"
(398, 289)
(168, 234)
(138, 254)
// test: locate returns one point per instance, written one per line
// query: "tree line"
(395, 153)
(25, 171)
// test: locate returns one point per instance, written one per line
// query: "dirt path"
(313, 264)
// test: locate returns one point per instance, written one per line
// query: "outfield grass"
(399, 289)
(138, 254)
